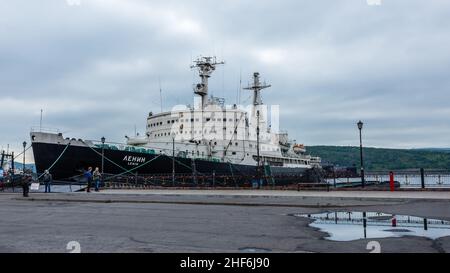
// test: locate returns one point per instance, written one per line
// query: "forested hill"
(376, 159)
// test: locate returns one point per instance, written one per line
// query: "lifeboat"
(299, 148)
(135, 141)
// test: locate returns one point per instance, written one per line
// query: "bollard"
(334, 177)
(365, 224)
(394, 221)
(391, 181)
(422, 177)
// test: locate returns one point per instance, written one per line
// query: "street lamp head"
(103, 140)
(24, 144)
(360, 125)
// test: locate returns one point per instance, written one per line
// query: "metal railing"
(419, 178)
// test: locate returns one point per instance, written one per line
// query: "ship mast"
(257, 87)
(205, 66)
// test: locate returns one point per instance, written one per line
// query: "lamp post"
(24, 145)
(103, 154)
(173, 160)
(258, 166)
(360, 127)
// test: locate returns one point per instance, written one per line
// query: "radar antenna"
(257, 87)
(205, 66)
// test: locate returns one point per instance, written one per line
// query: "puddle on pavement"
(254, 250)
(348, 226)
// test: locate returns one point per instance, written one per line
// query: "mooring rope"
(22, 152)
(59, 157)
(137, 167)
(181, 163)
(117, 165)
(125, 168)
(127, 171)
(232, 174)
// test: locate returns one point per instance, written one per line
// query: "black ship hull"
(67, 163)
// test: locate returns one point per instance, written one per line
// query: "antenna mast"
(205, 66)
(40, 123)
(160, 94)
(240, 85)
(257, 87)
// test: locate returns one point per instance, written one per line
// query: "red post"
(391, 182)
(394, 221)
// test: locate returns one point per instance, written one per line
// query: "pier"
(203, 221)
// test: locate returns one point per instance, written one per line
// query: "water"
(349, 226)
(254, 250)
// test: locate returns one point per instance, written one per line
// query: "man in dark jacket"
(47, 178)
(26, 180)
(88, 175)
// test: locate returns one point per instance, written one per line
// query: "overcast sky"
(94, 67)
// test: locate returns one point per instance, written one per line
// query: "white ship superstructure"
(213, 131)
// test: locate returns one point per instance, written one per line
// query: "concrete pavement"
(275, 198)
(167, 221)
(445, 195)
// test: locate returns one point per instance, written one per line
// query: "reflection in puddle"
(347, 226)
(254, 250)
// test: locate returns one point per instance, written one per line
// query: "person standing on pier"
(26, 180)
(48, 179)
(97, 176)
(88, 175)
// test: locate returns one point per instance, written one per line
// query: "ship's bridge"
(209, 123)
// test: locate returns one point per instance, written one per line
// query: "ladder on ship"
(268, 175)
